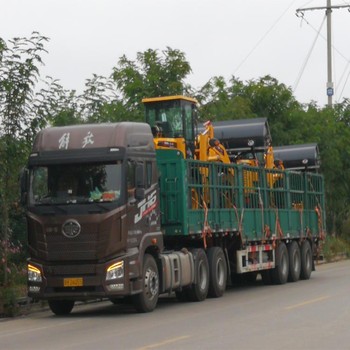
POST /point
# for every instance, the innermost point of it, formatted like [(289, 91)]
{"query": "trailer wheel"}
[(217, 272), (61, 307), (146, 301), (294, 262), (199, 290), (306, 260), (280, 273)]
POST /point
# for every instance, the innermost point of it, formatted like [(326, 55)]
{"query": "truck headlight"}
[(115, 271), (34, 274)]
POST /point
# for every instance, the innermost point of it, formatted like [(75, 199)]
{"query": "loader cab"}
[(172, 120)]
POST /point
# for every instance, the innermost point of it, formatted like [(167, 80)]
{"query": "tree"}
[(152, 74), (222, 102), (21, 117)]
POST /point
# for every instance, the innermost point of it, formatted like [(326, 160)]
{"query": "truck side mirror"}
[(139, 176), (24, 185)]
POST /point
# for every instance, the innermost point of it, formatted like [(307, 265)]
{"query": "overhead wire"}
[(307, 3), (309, 53), (263, 37), (334, 49), (346, 81), (345, 69)]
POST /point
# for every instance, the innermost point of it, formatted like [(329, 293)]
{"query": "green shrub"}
[(335, 247), (8, 301), (13, 279)]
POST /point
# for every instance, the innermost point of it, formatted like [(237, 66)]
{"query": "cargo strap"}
[(318, 211), (278, 228), (206, 232), (267, 231)]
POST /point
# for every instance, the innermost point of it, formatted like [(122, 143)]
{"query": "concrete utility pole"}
[(328, 8)]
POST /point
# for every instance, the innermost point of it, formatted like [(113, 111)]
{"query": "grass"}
[(335, 248)]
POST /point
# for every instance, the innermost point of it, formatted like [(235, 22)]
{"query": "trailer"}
[(112, 213)]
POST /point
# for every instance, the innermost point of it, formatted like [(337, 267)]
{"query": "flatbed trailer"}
[(210, 202)]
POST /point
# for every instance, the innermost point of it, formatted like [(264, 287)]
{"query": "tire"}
[(294, 262), (217, 272), (280, 273), (199, 290), (306, 260), (61, 307), (146, 301)]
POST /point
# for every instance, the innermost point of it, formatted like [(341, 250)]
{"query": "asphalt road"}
[(312, 314)]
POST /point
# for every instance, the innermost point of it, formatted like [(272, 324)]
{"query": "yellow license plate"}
[(73, 282)]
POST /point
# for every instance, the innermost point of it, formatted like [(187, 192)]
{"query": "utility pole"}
[(330, 84), (328, 8)]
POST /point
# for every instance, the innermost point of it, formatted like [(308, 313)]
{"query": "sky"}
[(247, 39)]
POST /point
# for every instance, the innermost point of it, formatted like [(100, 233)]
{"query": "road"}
[(312, 314)]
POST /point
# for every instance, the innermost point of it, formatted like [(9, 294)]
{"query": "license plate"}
[(73, 282)]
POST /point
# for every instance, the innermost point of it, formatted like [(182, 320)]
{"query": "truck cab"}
[(91, 193)]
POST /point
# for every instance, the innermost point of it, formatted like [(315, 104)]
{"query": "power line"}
[(328, 8), (308, 55), (346, 81), (319, 34), (263, 37)]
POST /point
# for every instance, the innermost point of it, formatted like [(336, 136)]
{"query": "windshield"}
[(75, 183), (172, 118)]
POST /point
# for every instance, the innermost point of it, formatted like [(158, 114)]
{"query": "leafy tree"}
[(222, 102), (151, 74), (101, 102), (21, 117), (63, 107), (335, 133), (118, 97)]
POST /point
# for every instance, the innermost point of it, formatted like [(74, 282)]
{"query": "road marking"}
[(35, 329), (165, 342), (312, 301)]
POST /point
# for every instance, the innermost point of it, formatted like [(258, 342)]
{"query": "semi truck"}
[(130, 211)]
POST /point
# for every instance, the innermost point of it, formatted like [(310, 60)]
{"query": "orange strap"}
[(206, 232)]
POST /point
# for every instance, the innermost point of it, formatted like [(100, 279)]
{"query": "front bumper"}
[(84, 281)]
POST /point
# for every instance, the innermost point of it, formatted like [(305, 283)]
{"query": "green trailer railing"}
[(258, 203)]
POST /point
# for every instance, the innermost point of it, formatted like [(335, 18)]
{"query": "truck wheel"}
[(61, 307), (199, 290), (280, 273), (306, 260), (294, 262), (217, 272), (146, 301)]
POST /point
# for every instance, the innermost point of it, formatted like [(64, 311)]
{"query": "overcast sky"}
[(245, 38)]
